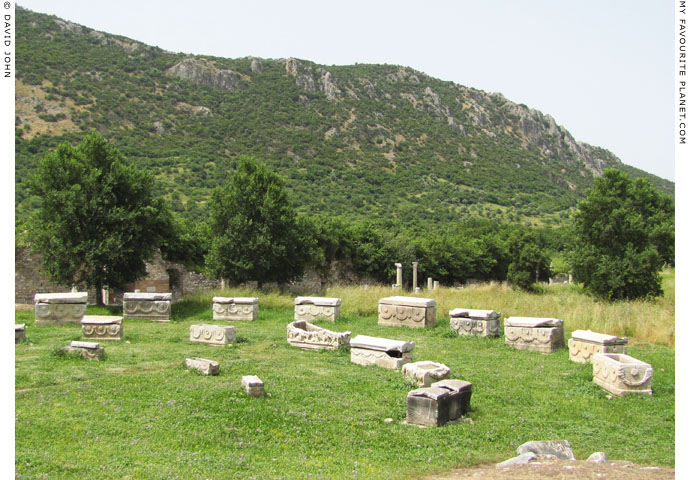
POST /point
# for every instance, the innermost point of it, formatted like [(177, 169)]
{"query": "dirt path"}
[(561, 470)]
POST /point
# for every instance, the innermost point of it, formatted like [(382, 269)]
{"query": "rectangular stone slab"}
[(315, 308), (212, 334), (584, 344), (410, 312), (532, 322), (460, 394), (253, 385), (67, 297), (428, 406), (236, 309), (425, 373), (303, 334), (102, 327), (621, 374), (150, 296), (381, 344), (147, 306), (203, 365), (474, 313)]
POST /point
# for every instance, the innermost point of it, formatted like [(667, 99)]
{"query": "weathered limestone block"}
[(424, 373), (88, 350), (148, 306), (303, 334), (460, 394), (253, 386), (212, 334), (560, 449), (428, 406), (59, 308), (102, 327), (621, 374), (314, 308), (238, 308), (411, 312), (543, 335), (383, 352), (19, 332), (202, 365), (480, 323), (583, 344)]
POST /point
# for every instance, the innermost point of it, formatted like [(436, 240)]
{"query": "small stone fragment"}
[(559, 448), (598, 457), (519, 460), (204, 366), (253, 386)]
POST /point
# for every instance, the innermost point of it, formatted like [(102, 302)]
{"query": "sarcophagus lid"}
[(532, 322), (87, 345), (152, 296), (599, 338), (321, 301), (408, 301), (101, 320), (381, 344), (474, 314), (236, 300), (67, 297)]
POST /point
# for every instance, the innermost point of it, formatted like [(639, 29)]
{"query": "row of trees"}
[(98, 222)]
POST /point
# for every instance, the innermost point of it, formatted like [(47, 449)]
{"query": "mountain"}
[(358, 141)]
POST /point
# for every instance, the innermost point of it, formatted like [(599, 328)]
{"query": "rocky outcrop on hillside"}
[(201, 72), (312, 81)]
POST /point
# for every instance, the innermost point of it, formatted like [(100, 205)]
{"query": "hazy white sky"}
[(602, 68)]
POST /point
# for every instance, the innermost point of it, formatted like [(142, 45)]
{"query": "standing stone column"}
[(429, 283), (436, 284), (398, 276), (414, 276)]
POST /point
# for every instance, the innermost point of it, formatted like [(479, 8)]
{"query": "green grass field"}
[(140, 414)]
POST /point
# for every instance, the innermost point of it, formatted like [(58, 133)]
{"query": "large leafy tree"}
[(623, 235), (98, 220), (255, 232), (528, 260)]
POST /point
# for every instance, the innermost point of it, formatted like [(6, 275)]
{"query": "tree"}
[(529, 263), (98, 221), (623, 234), (255, 231)]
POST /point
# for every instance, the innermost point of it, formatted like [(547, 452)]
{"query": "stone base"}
[(460, 394), (87, 350), (203, 366), (476, 327), (102, 328), (621, 374), (253, 386), (428, 406), (19, 333), (59, 313), (424, 373), (391, 360), (212, 334), (538, 339)]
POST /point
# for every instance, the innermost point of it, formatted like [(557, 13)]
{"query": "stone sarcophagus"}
[(428, 406), (303, 334), (212, 334), (531, 333), (383, 352), (621, 374), (584, 344), (480, 323), (253, 386), (59, 308), (88, 350), (148, 306), (425, 373), (315, 308), (19, 332), (413, 312), (102, 327), (238, 308), (203, 365), (460, 394)]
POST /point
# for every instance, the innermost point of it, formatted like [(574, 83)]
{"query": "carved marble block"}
[(102, 327), (203, 365), (238, 308), (480, 323), (583, 344), (19, 332), (383, 352), (428, 406), (425, 373), (253, 386), (314, 308), (621, 374), (59, 308), (411, 312), (543, 335), (212, 334), (460, 394), (303, 334), (148, 306), (88, 350)]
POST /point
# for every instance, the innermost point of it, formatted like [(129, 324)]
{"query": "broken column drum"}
[(621, 374), (148, 306), (425, 373), (59, 308), (543, 335), (480, 323), (315, 308), (303, 334), (428, 406), (392, 354), (238, 308), (88, 350), (212, 334), (410, 312), (102, 327), (460, 394), (584, 344), (253, 385)]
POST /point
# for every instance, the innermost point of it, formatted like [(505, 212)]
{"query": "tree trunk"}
[(99, 294)]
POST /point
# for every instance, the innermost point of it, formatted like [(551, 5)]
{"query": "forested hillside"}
[(362, 141)]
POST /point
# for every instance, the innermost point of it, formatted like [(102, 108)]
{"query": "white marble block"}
[(59, 308), (203, 365), (236, 309), (148, 306), (425, 373), (584, 344), (315, 308), (543, 335), (88, 350), (383, 352), (253, 386), (303, 334), (413, 312), (480, 323), (212, 334), (621, 374), (102, 327), (19, 332)]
